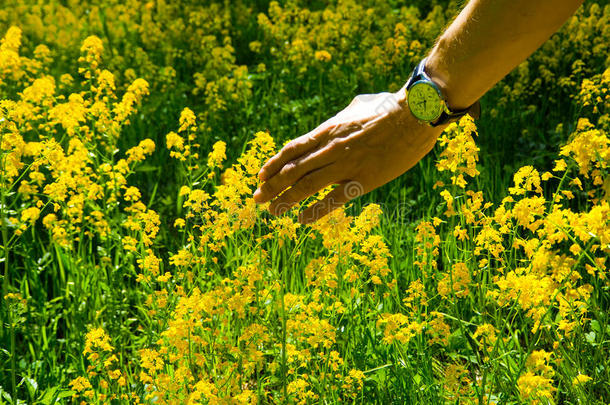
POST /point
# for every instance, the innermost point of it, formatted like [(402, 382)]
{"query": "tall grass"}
[(136, 266)]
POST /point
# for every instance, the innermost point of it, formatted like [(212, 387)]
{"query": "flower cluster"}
[(136, 270)]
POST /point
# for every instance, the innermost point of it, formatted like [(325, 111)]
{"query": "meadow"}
[(135, 266)]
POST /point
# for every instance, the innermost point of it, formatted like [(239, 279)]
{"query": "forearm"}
[(487, 40)]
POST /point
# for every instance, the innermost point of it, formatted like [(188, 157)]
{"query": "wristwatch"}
[(427, 102)]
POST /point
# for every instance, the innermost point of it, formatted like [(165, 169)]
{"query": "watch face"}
[(424, 101)]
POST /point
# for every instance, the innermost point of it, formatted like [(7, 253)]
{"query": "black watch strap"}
[(474, 111), (418, 73)]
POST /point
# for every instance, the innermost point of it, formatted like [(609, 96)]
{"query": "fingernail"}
[(257, 195)]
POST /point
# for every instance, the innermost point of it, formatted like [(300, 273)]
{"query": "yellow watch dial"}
[(424, 101)]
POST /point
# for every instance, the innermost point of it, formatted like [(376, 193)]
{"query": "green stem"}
[(13, 376), (284, 365), (4, 224), (5, 243), (5, 281)]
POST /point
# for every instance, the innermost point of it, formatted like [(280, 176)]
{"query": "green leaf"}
[(146, 168), (49, 396), (66, 394), (417, 379), (457, 340), (595, 326), (31, 385), (5, 395)]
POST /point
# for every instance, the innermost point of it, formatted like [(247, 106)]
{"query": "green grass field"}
[(135, 266)]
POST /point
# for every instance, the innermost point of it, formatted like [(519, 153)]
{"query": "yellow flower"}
[(173, 140), (129, 243), (438, 330), (150, 262), (138, 153), (184, 190), (30, 214), (526, 179), (525, 212), (197, 200), (255, 46), (590, 148), (535, 387), (456, 282), (92, 46), (485, 335), (133, 96), (218, 154), (560, 165), (187, 119), (182, 258), (80, 384), (398, 328), (323, 56), (460, 154), (132, 194), (42, 89), (449, 200), (581, 379), (12, 39), (97, 339), (461, 234)]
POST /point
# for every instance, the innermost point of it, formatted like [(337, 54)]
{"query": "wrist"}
[(445, 72)]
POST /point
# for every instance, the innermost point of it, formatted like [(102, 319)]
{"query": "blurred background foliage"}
[(250, 65)]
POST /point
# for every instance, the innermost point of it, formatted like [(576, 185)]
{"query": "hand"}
[(372, 141)]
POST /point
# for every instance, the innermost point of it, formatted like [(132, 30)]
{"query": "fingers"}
[(333, 200), (306, 186), (293, 150), (293, 171)]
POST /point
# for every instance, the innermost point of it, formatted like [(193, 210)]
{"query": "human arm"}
[(376, 139), (487, 40)]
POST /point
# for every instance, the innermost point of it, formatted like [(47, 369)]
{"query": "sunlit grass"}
[(136, 266)]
